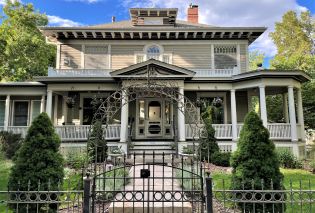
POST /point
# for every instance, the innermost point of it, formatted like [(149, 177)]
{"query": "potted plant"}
[(116, 154)]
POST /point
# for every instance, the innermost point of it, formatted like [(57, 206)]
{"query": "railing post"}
[(87, 195), (209, 195)]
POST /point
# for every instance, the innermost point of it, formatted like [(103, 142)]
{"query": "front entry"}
[(154, 119)]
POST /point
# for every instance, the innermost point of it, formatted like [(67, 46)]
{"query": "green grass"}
[(298, 178), (5, 166)]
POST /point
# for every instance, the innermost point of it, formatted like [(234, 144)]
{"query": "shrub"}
[(312, 166), (208, 145), (38, 159), (76, 160), (221, 159), (255, 160), (288, 160), (10, 143), (97, 146)]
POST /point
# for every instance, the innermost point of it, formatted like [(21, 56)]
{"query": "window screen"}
[(225, 57), (35, 109), (96, 57)]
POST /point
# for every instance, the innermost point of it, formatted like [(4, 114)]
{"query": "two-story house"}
[(207, 64)]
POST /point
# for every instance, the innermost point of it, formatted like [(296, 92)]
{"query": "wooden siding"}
[(241, 106), (72, 54), (190, 56), (243, 56), (123, 56)]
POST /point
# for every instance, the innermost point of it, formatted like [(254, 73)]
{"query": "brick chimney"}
[(192, 14)]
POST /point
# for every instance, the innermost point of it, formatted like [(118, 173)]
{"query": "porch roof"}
[(155, 68)]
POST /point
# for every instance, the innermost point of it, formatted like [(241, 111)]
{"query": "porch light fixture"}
[(217, 102)]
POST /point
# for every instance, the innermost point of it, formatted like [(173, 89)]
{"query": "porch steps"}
[(158, 147)]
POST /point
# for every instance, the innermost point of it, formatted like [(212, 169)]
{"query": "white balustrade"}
[(215, 72), (279, 130), (223, 131), (18, 130), (113, 132), (79, 72)]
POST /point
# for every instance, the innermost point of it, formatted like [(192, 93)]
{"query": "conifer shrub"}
[(97, 145), (10, 143), (255, 162), (38, 161)]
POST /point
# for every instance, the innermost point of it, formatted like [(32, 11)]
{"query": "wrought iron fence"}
[(227, 198), (67, 198)]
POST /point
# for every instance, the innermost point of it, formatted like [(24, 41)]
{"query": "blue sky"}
[(214, 12)]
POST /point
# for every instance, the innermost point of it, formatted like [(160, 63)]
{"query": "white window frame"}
[(144, 53), (28, 111), (237, 53), (31, 110), (107, 56)]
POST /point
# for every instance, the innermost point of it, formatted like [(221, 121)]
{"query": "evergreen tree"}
[(254, 161), (38, 161), (97, 146), (208, 145)]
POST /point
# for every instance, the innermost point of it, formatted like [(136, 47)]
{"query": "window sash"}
[(21, 113)]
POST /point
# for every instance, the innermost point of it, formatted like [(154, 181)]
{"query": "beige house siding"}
[(124, 55), (241, 106), (72, 54), (190, 56), (243, 57)]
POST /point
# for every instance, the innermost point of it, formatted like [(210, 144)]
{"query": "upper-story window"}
[(225, 56), (153, 52), (96, 57)]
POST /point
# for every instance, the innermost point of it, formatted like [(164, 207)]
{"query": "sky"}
[(214, 12)]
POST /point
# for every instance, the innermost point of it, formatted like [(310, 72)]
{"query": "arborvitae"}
[(255, 163), (208, 145), (38, 164), (97, 146)]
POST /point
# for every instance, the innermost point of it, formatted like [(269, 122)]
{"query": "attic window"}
[(153, 52)]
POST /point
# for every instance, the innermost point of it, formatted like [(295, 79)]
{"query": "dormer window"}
[(153, 52)]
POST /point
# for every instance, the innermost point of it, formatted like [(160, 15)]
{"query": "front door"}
[(154, 119)]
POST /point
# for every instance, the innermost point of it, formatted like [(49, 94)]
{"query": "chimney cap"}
[(193, 5)]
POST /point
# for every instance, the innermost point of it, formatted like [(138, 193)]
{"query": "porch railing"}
[(215, 72), (72, 132), (278, 131)]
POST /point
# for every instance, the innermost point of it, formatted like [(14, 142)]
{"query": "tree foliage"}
[(294, 37), (255, 58), (38, 160), (23, 49), (97, 146), (255, 160)]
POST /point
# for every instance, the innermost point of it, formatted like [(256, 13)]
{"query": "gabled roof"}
[(156, 69)]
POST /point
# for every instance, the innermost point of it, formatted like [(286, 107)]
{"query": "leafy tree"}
[(294, 37), (255, 58), (97, 146), (255, 160), (38, 161), (23, 49)]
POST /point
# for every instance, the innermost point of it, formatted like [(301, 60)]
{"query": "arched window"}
[(153, 52)]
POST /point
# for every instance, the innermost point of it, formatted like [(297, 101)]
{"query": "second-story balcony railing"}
[(215, 73)]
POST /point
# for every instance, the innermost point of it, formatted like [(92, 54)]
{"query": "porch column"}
[(263, 107), (292, 113), (300, 113), (285, 107), (7, 112), (56, 110), (233, 115), (42, 104), (49, 103), (124, 117), (181, 115)]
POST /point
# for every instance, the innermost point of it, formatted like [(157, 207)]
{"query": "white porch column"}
[(263, 107), (292, 113), (49, 103), (285, 107), (300, 113), (124, 117), (56, 110), (42, 104), (7, 112), (233, 115), (181, 116)]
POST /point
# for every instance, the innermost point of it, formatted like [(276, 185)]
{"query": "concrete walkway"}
[(141, 193)]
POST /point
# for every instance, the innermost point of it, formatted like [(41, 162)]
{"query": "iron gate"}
[(149, 183)]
